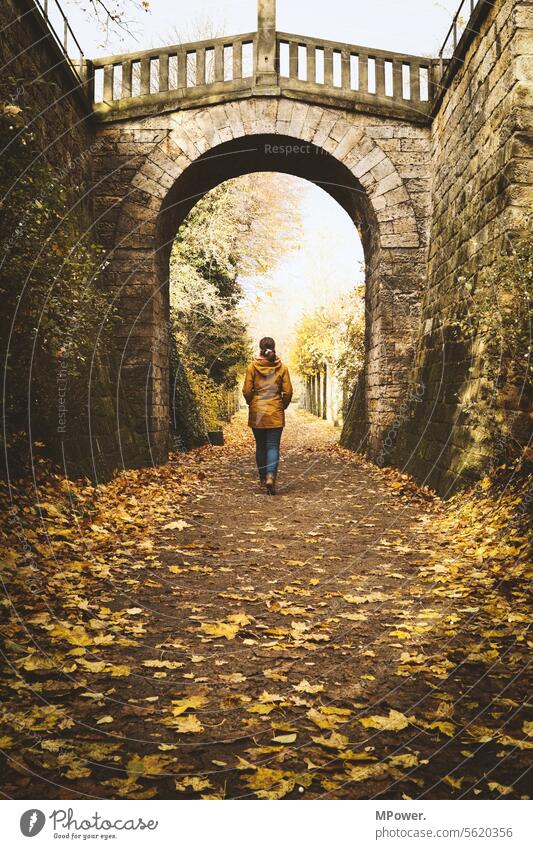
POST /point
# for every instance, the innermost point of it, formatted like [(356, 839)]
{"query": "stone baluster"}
[(145, 76), (219, 63), (363, 73), (237, 59), (293, 60), (380, 76), (200, 66), (126, 78), (108, 83), (397, 79), (346, 77), (311, 63), (414, 79), (328, 66), (182, 68), (163, 72)]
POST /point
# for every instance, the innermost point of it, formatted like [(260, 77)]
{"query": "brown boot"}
[(270, 485)]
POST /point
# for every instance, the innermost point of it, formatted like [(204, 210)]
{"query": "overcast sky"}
[(407, 26)]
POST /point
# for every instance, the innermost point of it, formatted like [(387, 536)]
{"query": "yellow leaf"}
[(118, 671), (75, 636), (334, 741), (270, 697), (512, 741), (93, 666), (179, 525), (229, 630), (447, 728), (285, 738), (502, 789), (239, 619), (305, 687), (395, 721), (77, 770), (233, 678), (261, 709), (363, 773), (364, 599), (273, 675), (453, 782), (149, 765), (275, 783), (104, 720), (194, 783), (322, 720), (190, 703), (185, 724), (407, 761), (37, 663)]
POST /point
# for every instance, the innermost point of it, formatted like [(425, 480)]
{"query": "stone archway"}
[(152, 171)]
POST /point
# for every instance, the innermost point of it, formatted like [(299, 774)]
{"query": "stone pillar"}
[(266, 75)]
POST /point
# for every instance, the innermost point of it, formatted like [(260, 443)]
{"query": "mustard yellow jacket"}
[(268, 392)]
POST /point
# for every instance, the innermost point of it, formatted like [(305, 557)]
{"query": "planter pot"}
[(216, 437)]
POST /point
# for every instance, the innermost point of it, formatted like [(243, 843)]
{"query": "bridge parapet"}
[(201, 73)]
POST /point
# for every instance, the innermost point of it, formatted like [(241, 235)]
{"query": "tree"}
[(330, 345), (112, 16), (240, 228), (332, 334)]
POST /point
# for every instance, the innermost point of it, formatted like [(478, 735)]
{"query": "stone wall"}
[(42, 83), (481, 186)]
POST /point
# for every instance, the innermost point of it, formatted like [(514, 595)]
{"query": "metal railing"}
[(459, 26), (62, 33)]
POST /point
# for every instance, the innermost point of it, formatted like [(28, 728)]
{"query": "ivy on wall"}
[(496, 323), (52, 309)]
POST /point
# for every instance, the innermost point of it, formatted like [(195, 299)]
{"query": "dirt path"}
[(316, 644)]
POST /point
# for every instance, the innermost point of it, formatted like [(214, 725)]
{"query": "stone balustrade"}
[(350, 70), (189, 75)]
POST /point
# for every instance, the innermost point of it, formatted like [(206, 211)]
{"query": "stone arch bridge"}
[(175, 122), (430, 158)]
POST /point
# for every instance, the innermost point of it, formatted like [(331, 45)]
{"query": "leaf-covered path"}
[(194, 638)]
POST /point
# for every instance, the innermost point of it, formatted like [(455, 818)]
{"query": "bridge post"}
[(266, 73)]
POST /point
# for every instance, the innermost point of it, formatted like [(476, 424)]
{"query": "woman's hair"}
[(267, 347)]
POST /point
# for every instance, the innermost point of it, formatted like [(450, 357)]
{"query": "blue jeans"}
[(267, 442)]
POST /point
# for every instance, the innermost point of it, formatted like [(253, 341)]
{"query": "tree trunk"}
[(325, 392)]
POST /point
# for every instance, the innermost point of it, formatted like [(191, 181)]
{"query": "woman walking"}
[(268, 392)]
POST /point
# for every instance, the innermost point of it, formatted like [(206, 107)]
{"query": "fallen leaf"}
[(395, 721)]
